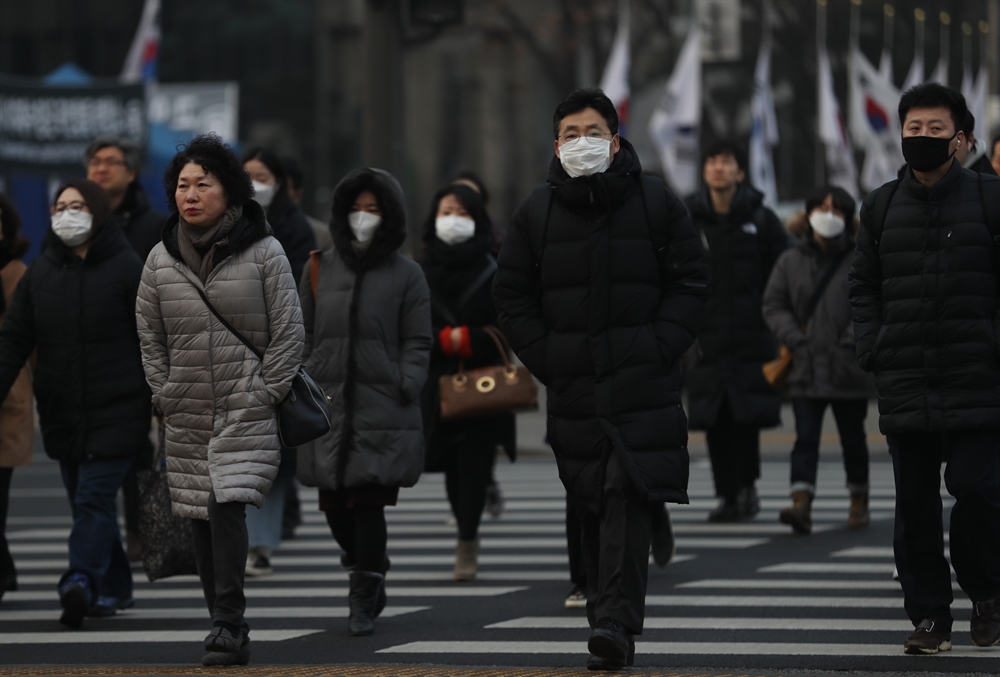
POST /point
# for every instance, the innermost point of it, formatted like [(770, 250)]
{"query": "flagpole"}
[(984, 60), (943, 57), (852, 46), (820, 45), (885, 65), (966, 50)]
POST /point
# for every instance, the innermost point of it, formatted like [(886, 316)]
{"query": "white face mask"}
[(584, 156), (454, 229), (826, 224), (72, 227), (364, 225), (263, 193)]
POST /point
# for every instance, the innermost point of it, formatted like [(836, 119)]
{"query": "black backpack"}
[(654, 198)]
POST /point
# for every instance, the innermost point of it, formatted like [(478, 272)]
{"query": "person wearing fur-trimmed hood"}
[(366, 310)]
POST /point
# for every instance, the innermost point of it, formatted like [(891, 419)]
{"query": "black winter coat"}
[(601, 318), (924, 296), (292, 230), (734, 341), (93, 400), (450, 271), (140, 221)]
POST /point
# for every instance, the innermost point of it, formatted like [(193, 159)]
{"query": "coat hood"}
[(746, 201), (389, 236), (251, 228)]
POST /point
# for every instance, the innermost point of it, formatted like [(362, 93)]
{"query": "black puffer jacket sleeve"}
[(684, 286), (17, 336), (866, 287), (518, 297)]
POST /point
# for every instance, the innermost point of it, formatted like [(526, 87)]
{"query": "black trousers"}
[(361, 533), (468, 470), (734, 449), (850, 417), (6, 561), (616, 551), (220, 551), (972, 476), (658, 519)]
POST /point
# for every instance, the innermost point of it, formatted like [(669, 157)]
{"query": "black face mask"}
[(926, 153)]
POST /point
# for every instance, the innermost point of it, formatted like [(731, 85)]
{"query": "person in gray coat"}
[(367, 318), (218, 398), (816, 325)]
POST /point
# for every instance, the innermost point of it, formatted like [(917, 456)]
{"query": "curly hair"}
[(216, 158)]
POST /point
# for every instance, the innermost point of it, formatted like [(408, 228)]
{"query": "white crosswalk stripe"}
[(836, 602)]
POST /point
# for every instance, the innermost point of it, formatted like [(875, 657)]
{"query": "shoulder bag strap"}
[(476, 285), (821, 287), (444, 311), (230, 327), (314, 259)]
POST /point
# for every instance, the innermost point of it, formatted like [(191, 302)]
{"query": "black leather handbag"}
[(304, 415)]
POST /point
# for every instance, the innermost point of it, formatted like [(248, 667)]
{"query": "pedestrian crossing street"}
[(749, 589)]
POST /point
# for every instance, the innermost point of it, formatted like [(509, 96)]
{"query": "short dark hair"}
[(727, 147), (932, 95), (131, 151), (276, 167), (216, 158), (993, 146), (472, 177), (17, 245), (293, 169), (968, 124), (583, 98), (842, 201)]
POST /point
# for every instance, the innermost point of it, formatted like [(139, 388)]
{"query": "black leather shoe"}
[(362, 599), (748, 502), (609, 642), (221, 640), (927, 639), (598, 663), (726, 511), (986, 622), (223, 658)]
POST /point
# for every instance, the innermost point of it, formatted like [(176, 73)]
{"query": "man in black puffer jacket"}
[(728, 396), (924, 293), (600, 286)]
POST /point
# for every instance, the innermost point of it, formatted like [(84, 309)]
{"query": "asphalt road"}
[(738, 597)]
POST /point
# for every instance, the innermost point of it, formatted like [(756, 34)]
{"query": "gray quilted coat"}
[(368, 342), (217, 396), (825, 365)]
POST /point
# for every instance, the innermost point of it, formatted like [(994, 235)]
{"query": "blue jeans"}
[(850, 416), (264, 524), (95, 542)]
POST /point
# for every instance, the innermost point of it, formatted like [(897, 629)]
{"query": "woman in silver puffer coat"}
[(218, 398)]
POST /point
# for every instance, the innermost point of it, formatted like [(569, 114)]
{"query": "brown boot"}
[(798, 516), (859, 517), (466, 555)]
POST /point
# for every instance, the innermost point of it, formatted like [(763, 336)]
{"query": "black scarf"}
[(451, 268), (598, 193)]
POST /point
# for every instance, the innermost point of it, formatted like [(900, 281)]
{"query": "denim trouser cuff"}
[(804, 486)]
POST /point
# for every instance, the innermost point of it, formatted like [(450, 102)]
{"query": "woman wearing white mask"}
[(459, 266), (75, 305), (807, 308), (366, 310), (290, 226)]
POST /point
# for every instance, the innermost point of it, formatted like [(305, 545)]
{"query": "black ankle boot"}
[(381, 600), (365, 586)]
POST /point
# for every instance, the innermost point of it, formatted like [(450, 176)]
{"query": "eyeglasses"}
[(592, 134), (96, 162), (73, 207)]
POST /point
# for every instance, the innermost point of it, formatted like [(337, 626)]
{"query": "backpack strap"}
[(654, 199), (539, 207), (883, 198), (314, 259)]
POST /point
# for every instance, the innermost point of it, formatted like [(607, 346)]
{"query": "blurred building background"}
[(428, 87)]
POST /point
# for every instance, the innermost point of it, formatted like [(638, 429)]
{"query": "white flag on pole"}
[(764, 131), (977, 103), (614, 81), (885, 64), (916, 74), (841, 170), (675, 123), (141, 61), (875, 126)]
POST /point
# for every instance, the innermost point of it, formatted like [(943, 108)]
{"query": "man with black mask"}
[(601, 283), (924, 293)]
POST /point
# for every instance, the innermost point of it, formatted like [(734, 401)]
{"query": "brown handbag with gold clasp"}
[(491, 390)]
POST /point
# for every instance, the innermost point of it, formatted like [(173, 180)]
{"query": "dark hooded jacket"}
[(140, 221), (292, 230), (924, 293), (451, 270), (368, 342), (601, 318), (734, 341), (93, 401)]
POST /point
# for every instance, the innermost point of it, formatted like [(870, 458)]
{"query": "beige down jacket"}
[(218, 398)]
